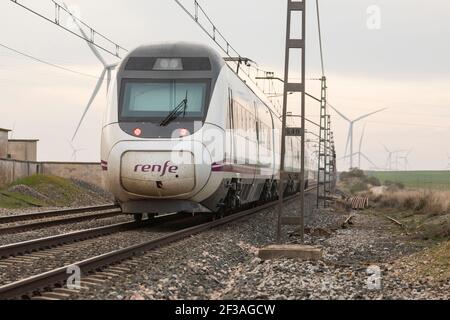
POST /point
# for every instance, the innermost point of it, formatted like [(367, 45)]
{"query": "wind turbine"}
[(448, 156), (405, 159), (107, 70), (13, 130), (74, 151), (361, 143), (360, 154), (351, 128), (391, 156), (389, 159)]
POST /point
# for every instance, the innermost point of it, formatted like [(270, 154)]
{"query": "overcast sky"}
[(403, 65)]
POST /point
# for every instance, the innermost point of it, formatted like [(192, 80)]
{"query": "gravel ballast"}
[(61, 229), (223, 264)]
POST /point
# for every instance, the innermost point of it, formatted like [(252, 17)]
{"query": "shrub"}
[(426, 202), (374, 181), (352, 174), (393, 184), (358, 186)]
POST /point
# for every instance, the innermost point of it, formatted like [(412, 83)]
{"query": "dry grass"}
[(431, 264), (425, 213), (428, 202)]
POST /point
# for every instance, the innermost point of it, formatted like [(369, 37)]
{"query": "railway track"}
[(51, 285), (33, 246), (12, 224)]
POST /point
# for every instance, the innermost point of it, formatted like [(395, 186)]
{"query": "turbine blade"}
[(338, 112), (409, 152), (348, 156), (362, 138), (370, 161), (91, 46), (369, 114), (348, 141), (91, 100), (386, 148), (108, 79)]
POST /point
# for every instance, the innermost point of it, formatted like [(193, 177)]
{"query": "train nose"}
[(158, 174), (164, 173)]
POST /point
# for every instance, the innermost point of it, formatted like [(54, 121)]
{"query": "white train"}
[(183, 133)]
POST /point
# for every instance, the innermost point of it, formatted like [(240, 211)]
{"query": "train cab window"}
[(156, 99)]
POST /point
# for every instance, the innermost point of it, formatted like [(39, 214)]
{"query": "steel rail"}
[(22, 248), (55, 213), (58, 276), (56, 222)]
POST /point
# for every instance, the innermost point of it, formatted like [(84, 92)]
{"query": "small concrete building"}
[(23, 150), (4, 143)]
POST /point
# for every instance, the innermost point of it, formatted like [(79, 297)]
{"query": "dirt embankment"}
[(50, 191)]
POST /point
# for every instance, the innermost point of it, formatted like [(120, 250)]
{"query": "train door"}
[(258, 135), (230, 134)]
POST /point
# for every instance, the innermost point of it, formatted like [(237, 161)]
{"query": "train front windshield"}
[(153, 100)]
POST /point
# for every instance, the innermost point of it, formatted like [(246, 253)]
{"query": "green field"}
[(439, 180)]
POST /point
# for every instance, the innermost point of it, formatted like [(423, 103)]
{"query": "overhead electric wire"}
[(410, 124), (306, 119), (46, 62), (92, 31), (226, 46), (320, 38)]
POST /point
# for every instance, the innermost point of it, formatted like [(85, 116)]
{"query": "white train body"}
[(220, 152)]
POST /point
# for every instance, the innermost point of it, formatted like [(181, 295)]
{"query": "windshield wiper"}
[(180, 109)]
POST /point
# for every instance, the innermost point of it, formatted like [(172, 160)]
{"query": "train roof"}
[(177, 50)]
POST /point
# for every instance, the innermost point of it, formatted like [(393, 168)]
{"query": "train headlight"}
[(174, 64), (137, 132), (184, 133)]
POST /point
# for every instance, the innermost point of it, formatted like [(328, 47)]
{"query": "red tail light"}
[(137, 132)]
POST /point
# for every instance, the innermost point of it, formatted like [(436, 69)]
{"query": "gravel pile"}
[(93, 195), (86, 195), (26, 190), (223, 264)]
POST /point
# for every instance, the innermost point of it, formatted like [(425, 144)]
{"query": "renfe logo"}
[(156, 168)]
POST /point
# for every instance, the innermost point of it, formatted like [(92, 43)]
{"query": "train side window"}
[(258, 134), (237, 116), (263, 135), (247, 121), (230, 110), (242, 111)]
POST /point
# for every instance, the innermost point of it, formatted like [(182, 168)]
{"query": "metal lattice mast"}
[(323, 146), (333, 168), (294, 8), (328, 166)]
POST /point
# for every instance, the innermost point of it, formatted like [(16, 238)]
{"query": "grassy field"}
[(436, 180)]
